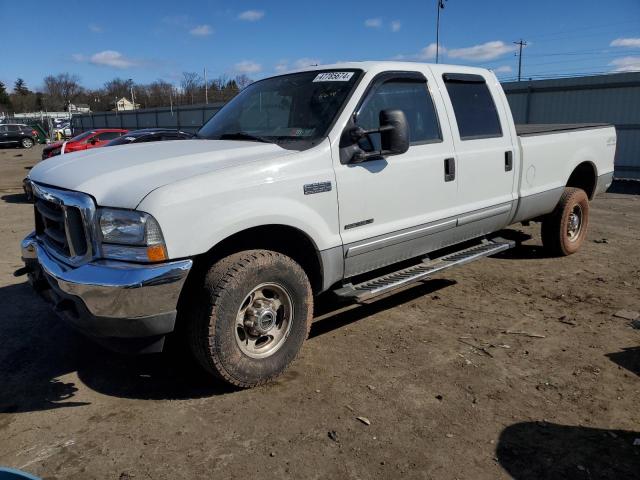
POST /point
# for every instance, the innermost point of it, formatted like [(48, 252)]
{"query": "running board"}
[(368, 289)]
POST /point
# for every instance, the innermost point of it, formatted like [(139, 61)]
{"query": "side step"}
[(368, 289)]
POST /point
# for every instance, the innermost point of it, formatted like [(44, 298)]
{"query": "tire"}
[(565, 229), (26, 142), (258, 289)]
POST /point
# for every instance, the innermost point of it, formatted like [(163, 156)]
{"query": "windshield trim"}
[(321, 137)]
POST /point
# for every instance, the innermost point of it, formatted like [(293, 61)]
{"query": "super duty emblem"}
[(311, 188)]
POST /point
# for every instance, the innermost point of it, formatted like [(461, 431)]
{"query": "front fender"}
[(198, 213)]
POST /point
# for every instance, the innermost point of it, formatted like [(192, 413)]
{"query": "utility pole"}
[(440, 6), (521, 43)]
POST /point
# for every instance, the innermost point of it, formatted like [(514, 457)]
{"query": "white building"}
[(124, 104)]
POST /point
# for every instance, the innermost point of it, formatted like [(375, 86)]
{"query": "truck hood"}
[(122, 176)]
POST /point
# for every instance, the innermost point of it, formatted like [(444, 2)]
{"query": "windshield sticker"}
[(333, 77)]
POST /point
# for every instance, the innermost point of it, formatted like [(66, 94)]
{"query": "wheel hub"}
[(574, 223), (261, 317), (264, 320)]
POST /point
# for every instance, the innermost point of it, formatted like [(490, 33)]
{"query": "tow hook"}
[(22, 271)]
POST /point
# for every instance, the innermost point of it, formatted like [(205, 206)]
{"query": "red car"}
[(90, 139)]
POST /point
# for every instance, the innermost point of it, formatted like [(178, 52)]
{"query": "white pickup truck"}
[(306, 182)]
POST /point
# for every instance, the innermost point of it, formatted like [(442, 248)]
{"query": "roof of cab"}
[(391, 65)]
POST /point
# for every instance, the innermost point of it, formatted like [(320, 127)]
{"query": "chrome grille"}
[(62, 227), (64, 223)]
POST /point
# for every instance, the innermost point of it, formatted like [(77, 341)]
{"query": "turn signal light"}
[(156, 253)]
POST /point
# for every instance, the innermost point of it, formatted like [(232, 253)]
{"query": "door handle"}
[(508, 161), (449, 169)]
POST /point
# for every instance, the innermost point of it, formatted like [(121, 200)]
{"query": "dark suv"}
[(15, 133)]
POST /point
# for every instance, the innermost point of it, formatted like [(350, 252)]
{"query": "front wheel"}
[(26, 142), (251, 317), (564, 229)]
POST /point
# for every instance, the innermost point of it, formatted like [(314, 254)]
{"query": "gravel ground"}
[(513, 366)]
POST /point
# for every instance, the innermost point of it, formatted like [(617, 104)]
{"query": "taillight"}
[(34, 133)]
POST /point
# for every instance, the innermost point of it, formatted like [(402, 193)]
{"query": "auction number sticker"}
[(333, 77)]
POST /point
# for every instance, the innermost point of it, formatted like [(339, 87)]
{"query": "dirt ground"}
[(448, 391)]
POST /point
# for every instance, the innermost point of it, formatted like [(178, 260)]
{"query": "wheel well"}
[(584, 177), (280, 238)]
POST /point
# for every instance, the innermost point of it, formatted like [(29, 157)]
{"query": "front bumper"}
[(129, 306)]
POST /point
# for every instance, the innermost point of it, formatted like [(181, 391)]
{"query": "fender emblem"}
[(311, 188)]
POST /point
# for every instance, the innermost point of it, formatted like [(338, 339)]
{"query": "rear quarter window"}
[(473, 107)]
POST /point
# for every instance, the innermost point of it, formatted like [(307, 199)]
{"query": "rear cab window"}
[(473, 106)]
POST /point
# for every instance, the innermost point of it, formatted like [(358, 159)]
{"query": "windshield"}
[(294, 111), (82, 136)]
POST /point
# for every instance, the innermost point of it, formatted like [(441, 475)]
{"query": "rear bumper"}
[(129, 306)]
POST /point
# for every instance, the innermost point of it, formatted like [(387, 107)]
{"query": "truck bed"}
[(531, 129)]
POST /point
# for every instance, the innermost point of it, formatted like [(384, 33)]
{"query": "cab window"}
[(473, 106), (409, 95)]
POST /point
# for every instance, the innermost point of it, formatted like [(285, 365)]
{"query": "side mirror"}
[(93, 141), (394, 136)]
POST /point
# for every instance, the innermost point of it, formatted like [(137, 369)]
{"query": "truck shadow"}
[(15, 198), (332, 313), (40, 354), (540, 450), (628, 358)]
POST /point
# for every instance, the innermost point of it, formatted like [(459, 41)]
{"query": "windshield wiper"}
[(244, 136)]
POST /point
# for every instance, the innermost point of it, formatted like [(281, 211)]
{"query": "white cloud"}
[(626, 42), (306, 62), (201, 31), (503, 69), (373, 22), (247, 66), (251, 15), (396, 26), (483, 52), (95, 28), (626, 64), (282, 66), (107, 58), (429, 52)]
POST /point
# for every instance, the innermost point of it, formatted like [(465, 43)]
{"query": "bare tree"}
[(118, 88), (159, 93), (243, 81), (191, 84), (62, 88)]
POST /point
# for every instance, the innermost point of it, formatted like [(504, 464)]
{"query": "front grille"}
[(61, 228)]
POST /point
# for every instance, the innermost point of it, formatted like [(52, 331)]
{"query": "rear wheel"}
[(26, 142), (564, 229), (251, 317)]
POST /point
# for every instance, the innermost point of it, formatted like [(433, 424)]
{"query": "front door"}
[(389, 207)]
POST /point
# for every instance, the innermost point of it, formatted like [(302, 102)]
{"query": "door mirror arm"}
[(394, 136)]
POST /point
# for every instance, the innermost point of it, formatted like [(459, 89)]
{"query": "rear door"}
[(14, 134), (389, 207), (481, 135)]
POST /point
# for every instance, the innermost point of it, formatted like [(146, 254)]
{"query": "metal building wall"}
[(187, 118), (611, 99)]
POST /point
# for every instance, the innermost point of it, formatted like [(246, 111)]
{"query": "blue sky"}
[(147, 40)]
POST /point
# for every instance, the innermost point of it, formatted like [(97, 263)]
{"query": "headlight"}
[(131, 235)]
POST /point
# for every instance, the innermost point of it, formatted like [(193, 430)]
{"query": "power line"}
[(562, 33)]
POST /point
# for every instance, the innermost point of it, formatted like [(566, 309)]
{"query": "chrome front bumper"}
[(109, 299)]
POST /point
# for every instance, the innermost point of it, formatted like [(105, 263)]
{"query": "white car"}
[(304, 183)]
